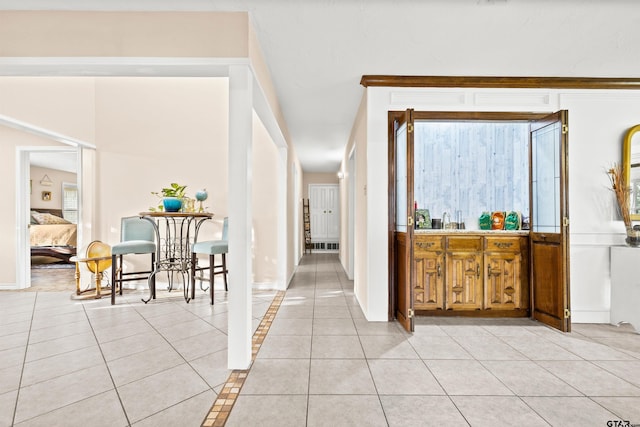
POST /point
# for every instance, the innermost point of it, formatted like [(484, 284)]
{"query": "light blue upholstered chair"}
[(137, 236), (210, 248)]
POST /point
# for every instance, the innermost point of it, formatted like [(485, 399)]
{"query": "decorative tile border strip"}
[(223, 404)]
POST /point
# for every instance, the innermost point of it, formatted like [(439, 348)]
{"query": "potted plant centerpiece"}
[(171, 196)]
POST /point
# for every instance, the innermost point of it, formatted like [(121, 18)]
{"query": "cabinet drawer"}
[(464, 243), (427, 243), (502, 244)]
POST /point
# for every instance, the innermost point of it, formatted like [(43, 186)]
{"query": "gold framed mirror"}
[(631, 168)]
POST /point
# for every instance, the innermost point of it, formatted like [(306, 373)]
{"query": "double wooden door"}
[(549, 236)]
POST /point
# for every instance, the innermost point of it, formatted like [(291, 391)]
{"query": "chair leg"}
[(153, 278), (194, 259), (170, 280), (224, 271), (120, 274), (212, 259), (114, 268)]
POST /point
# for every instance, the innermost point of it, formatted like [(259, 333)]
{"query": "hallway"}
[(68, 363)]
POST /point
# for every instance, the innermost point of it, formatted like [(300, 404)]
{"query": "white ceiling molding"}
[(44, 133), (118, 66)]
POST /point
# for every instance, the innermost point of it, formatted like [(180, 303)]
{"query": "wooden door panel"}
[(464, 281), (404, 300), (546, 286), (428, 274), (502, 281), (420, 288)]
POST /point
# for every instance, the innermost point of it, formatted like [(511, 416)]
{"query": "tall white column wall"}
[(240, 214)]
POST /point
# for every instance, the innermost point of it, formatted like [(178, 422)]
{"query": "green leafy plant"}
[(173, 190)]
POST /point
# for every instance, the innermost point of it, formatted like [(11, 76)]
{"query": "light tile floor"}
[(68, 363), (323, 364), (65, 362)]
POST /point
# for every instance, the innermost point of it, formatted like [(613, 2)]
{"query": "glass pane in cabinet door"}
[(546, 179), (401, 178), (471, 168)]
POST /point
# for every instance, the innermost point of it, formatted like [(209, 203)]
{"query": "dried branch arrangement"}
[(622, 191)]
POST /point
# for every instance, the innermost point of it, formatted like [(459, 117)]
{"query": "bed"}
[(52, 236)]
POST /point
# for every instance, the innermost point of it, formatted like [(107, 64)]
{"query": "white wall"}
[(66, 107), (57, 177), (597, 123), (121, 37), (152, 132), (358, 144), (148, 132), (265, 208), (317, 178)]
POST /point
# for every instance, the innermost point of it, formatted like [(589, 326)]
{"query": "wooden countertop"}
[(477, 232)]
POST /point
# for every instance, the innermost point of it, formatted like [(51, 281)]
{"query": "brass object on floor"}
[(97, 260)]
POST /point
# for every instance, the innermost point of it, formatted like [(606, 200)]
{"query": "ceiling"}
[(64, 161), (318, 50)]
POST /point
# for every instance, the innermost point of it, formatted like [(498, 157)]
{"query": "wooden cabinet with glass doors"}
[(467, 165)]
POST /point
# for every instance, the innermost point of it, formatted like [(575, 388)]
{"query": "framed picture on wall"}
[(46, 196)]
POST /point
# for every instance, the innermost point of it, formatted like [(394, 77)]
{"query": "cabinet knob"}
[(478, 270), (439, 271)]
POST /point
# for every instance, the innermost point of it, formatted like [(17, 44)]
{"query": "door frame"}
[(335, 187), (297, 249), (351, 213), (23, 205)]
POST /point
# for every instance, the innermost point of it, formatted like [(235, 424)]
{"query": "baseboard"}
[(587, 316), (265, 286), (268, 286)]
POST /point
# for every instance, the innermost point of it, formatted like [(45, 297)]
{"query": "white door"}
[(318, 210), (333, 213), (325, 212)]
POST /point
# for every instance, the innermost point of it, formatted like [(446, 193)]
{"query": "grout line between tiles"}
[(24, 360), (104, 359), (223, 404)]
